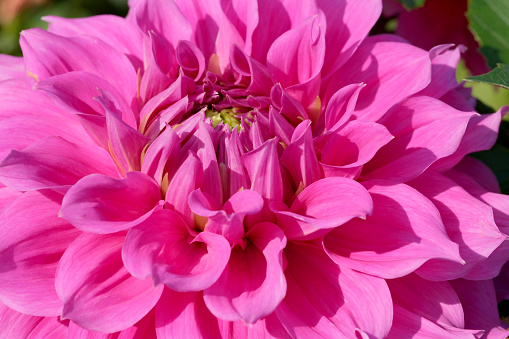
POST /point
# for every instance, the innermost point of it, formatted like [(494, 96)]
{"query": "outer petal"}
[(392, 71), (100, 204), (325, 204), (91, 279), (162, 247), (404, 231), (32, 240), (330, 302), (468, 222), (480, 306), (429, 130), (11, 67), (53, 163), (19, 325), (47, 54), (252, 284)]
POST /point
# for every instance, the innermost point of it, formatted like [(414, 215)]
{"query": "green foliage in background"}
[(412, 4)]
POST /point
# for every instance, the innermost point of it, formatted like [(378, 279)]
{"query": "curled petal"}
[(100, 204), (160, 247)]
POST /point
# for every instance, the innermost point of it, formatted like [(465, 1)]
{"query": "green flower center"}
[(226, 116)]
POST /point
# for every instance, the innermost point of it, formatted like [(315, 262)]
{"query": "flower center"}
[(227, 116)]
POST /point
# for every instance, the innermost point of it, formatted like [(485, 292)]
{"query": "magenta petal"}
[(53, 163), (330, 302), (262, 165), (162, 247), (297, 55), (29, 258), (391, 71), (479, 171), (349, 23), (91, 279), (425, 130), (100, 204), (299, 156), (125, 143), (341, 106), (468, 222), (480, 308), (78, 53), (111, 29), (160, 155), (153, 16), (402, 213), (325, 204), (18, 325), (11, 67), (252, 284), (260, 80), (191, 59)]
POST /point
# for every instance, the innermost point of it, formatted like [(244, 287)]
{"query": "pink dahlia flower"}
[(247, 169)]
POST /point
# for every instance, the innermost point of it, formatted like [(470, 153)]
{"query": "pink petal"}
[(468, 222), (125, 143), (162, 247), (252, 284), (47, 54), (91, 279), (325, 204), (429, 130), (18, 325), (53, 163), (351, 147), (330, 302), (111, 29), (11, 67), (480, 135), (480, 308), (349, 22), (191, 59), (391, 71), (205, 18), (434, 301), (404, 231), (289, 107), (341, 106), (299, 156), (7, 195), (262, 165), (479, 171), (233, 175), (260, 81), (153, 16), (279, 126), (242, 17), (100, 204), (29, 258), (297, 55)]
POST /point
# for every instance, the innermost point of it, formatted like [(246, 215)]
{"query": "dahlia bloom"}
[(247, 169)]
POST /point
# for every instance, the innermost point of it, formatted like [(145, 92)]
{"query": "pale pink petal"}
[(100, 204), (325, 204), (262, 165), (468, 222), (391, 71), (162, 247), (330, 302), (348, 23), (252, 284), (111, 29), (47, 54), (299, 156), (91, 280), (11, 67), (153, 16), (404, 231), (29, 258), (53, 163), (18, 325), (480, 308)]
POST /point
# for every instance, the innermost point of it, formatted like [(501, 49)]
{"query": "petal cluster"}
[(207, 169)]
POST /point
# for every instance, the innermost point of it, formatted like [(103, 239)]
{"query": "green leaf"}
[(498, 77), (412, 4), (489, 22)]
